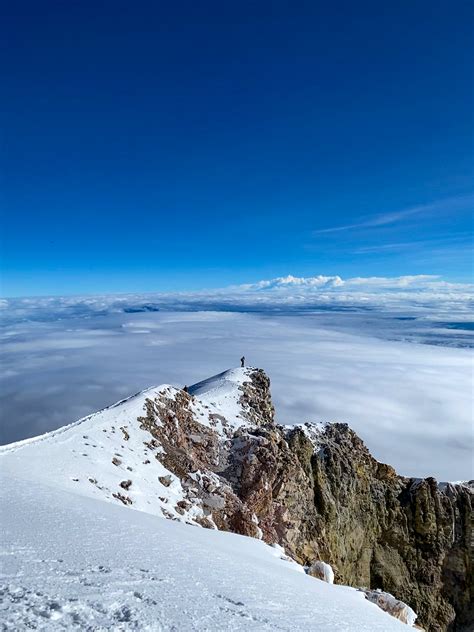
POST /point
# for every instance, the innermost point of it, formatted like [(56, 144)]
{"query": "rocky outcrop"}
[(256, 400), (408, 537), (317, 491), (322, 571), (394, 607)]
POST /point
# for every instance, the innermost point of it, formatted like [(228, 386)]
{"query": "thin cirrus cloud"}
[(458, 242), (386, 219)]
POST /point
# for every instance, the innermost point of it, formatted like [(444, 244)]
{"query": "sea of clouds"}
[(350, 351), (419, 294)]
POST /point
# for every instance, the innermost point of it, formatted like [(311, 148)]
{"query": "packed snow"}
[(69, 559), (76, 562)]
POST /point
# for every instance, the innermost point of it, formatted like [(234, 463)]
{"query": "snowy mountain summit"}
[(212, 456)]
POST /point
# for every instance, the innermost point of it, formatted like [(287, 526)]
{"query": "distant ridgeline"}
[(213, 455)]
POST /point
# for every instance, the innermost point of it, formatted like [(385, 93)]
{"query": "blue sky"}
[(166, 146)]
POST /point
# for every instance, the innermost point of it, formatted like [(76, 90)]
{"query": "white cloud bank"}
[(411, 403), (415, 294)]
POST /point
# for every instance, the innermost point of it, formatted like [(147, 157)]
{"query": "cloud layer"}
[(418, 294), (411, 403)]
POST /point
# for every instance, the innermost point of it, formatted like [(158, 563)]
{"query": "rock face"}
[(317, 491), (407, 537)]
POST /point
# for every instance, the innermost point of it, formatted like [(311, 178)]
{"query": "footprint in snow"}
[(85, 582), (229, 600)]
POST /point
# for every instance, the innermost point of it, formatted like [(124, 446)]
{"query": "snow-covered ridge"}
[(312, 431), (108, 455), (54, 433), (221, 387)]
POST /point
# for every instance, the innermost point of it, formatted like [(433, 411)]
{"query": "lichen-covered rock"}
[(401, 535)]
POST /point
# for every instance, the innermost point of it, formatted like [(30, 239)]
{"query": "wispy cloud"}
[(385, 219), (449, 242)]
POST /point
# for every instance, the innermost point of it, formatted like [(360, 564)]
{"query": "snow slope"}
[(80, 457), (69, 559)]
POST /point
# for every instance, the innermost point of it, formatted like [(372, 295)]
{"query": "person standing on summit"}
[(242, 361)]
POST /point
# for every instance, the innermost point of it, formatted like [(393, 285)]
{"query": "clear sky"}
[(179, 145)]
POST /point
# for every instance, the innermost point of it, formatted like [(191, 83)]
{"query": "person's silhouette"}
[(242, 361)]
